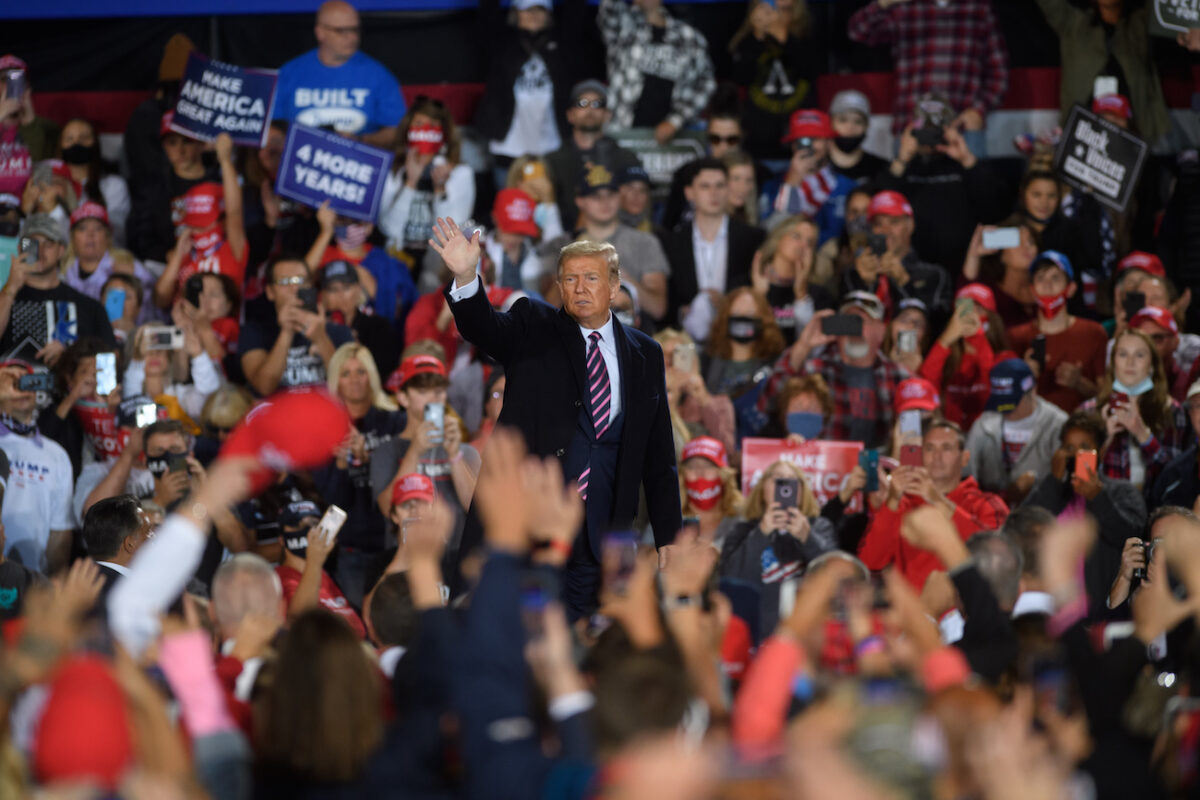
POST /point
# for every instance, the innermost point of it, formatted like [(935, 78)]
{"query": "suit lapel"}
[(568, 331), (629, 362)]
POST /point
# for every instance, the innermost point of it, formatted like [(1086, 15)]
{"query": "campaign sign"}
[(319, 166), (1097, 155), (824, 464), (218, 98), (1173, 17), (661, 160)]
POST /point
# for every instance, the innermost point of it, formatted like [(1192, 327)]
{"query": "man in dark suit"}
[(709, 255), (581, 387), (113, 530)]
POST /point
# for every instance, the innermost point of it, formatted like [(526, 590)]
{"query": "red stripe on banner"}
[(109, 111)]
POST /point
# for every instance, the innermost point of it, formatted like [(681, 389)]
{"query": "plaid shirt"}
[(1158, 451), (627, 37), (828, 364), (956, 51)]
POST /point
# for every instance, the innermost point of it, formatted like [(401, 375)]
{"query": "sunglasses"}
[(597, 104), (730, 140)]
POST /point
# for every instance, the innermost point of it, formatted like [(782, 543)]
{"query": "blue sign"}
[(319, 166), (218, 98)]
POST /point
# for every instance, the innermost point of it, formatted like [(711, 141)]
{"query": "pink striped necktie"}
[(599, 399)]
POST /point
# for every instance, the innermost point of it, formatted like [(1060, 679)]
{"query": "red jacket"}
[(966, 393), (974, 510)]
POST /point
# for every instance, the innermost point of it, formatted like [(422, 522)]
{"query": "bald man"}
[(336, 85)]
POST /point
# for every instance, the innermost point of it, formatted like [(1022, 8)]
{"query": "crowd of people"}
[(296, 504)]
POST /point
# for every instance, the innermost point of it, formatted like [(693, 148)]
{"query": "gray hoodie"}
[(986, 443)]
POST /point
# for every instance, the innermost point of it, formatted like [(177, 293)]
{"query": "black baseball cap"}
[(339, 270)]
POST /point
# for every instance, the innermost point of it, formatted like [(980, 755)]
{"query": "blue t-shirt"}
[(360, 96)]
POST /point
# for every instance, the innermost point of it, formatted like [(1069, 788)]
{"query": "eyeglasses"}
[(714, 138), (597, 104), (1159, 338), (295, 280)]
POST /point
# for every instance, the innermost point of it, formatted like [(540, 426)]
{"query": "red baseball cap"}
[(1159, 316), (513, 211), (84, 732), (1146, 262), (413, 366), (808, 123), (706, 447), (201, 206), (9, 61), (269, 433), (1113, 104), (917, 393), (889, 204), (413, 486), (90, 210), (980, 294)]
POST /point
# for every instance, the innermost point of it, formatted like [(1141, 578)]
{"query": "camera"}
[(877, 243), (1139, 573)]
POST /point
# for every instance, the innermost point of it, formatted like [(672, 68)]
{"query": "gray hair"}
[(998, 559), (245, 584), (585, 249)]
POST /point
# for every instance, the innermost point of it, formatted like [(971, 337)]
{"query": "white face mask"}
[(856, 350)]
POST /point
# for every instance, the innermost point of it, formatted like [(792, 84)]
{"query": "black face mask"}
[(744, 330), (80, 154), (297, 542), (158, 465), (848, 144), (10, 227)]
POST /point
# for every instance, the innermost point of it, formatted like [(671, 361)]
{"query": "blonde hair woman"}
[(780, 536), (708, 488)]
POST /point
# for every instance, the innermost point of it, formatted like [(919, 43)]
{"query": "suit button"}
[(578, 403), (559, 452)]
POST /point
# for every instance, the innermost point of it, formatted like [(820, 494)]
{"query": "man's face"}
[(1074, 440), (723, 135), (898, 230), (587, 290), (943, 456), (599, 207), (90, 238), (50, 254), (414, 400), (634, 198), (338, 31), (1050, 282), (708, 192), (849, 123), (1165, 342), (141, 535), (533, 19), (341, 296), (13, 401), (588, 113), (857, 206), (289, 278), (873, 333), (161, 444)]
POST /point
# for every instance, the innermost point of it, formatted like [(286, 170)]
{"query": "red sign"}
[(100, 426), (824, 464)]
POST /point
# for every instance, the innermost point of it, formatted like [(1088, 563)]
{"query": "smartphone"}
[(1085, 462), (910, 422), (1051, 684), (163, 337), (877, 243), (1133, 303), (618, 559), (930, 135), (869, 461), (308, 298), (1001, 238), (106, 373), (36, 382), (684, 358), (15, 84), (192, 289), (114, 304), (842, 325), (1117, 400), (1139, 573), (911, 456), (146, 414), (964, 307), (177, 462), (332, 522), (436, 413), (1105, 85), (29, 247), (906, 341), (786, 491), (1039, 351)]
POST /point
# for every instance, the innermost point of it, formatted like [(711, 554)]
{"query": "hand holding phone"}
[(786, 492), (331, 523), (869, 461), (1085, 464), (1001, 238), (436, 413), (106, 373), (842, 325)]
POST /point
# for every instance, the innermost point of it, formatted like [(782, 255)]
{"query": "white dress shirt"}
[(711, 257), (608, 345)]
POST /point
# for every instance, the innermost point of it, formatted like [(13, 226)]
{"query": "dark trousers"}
[(581, 580)]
